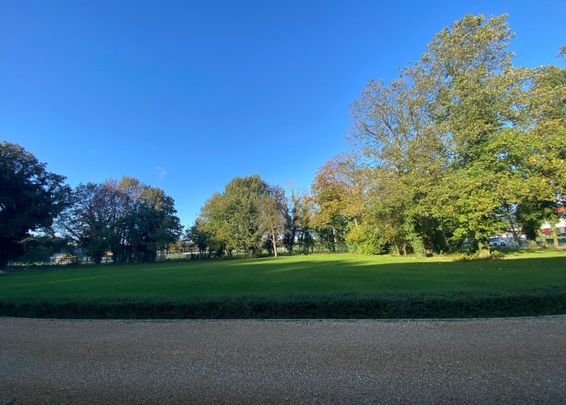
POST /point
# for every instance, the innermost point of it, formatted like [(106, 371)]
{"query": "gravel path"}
[(71, 361)]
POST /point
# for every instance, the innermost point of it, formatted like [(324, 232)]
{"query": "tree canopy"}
[(460, 147), (247, 214), (30, 198), (128, 218)]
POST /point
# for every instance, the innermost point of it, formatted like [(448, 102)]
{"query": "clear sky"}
[(185, 95)]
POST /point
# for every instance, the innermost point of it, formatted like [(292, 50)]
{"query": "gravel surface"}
[(74, 361)]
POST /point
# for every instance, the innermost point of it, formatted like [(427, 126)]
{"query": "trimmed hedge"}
[(340, 306)]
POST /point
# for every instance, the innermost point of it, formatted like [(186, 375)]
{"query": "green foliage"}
[(30, 198), (470, 257), (247, 214), (128, 218), (363, 239), (39, 248), (462, 146), (272, 216), (304, 209), (338, 192)]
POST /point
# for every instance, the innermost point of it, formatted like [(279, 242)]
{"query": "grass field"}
[(345, 285)]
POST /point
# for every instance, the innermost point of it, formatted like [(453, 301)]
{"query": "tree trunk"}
[(334, 241), (274, 242), (514, 229), (542, 236), (515, 235), (397, 249), (97, 258), (555, 243), (483, 247)]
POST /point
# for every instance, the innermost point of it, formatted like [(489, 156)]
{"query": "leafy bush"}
[(470, 257)]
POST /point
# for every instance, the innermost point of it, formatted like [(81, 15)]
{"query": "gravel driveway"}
[(73, 361)]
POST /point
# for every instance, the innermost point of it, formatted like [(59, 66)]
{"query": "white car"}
[(497, 242)]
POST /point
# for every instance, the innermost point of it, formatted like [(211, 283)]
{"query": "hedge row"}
[(297, 306)]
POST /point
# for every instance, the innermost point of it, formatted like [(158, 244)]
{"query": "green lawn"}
[(269, 287)]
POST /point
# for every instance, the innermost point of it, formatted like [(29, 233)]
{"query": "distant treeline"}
[(460, 147)]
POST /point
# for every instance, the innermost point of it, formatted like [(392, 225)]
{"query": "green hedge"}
[(547, 302)]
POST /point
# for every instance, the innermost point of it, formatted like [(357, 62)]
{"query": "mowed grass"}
[(297, 286)]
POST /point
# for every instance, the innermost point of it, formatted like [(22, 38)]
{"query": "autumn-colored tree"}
[(463, 145), (331, 197)]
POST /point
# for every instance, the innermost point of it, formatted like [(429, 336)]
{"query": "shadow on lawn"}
[(270, 265)]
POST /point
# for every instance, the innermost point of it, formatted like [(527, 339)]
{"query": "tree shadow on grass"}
[(518, 263)]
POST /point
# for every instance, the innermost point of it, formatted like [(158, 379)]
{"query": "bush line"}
[(295, 307)]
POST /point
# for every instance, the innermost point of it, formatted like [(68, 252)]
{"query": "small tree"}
[(271, 217)]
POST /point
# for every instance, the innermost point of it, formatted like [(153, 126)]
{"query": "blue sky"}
[(186, 95)]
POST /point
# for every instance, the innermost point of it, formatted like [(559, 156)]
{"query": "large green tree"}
[(150, 222), (90, 221), (132, 220), (248, 216), (544, 155), (506, 127), (405, 155), (231, 219), (30, 198), (462, 146)]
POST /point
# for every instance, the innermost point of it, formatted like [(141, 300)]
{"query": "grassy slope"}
[(317, 285)]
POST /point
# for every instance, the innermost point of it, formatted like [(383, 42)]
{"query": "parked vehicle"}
[(497, 242)]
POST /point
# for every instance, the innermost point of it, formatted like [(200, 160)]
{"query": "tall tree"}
[(152, 223), (305, 211), (242, 196), (331, 196), (461, 145), (405, 155), (231, 218), (30, 198), (477, 99), (291, 223), (90, 220), (544, 155), (271, 217)]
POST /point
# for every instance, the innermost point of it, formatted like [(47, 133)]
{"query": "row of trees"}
[(251, 216), (130, 219), (40, 214), (462, 146)]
